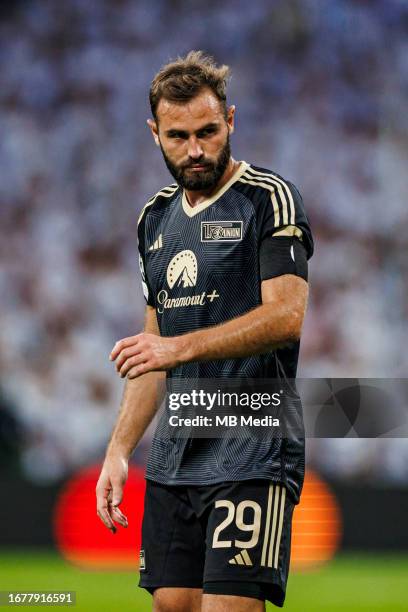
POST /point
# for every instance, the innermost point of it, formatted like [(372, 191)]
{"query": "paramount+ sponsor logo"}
[(182, 272), (221, 231)]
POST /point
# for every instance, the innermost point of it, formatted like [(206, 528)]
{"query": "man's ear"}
[(231, 118), (154, 130)]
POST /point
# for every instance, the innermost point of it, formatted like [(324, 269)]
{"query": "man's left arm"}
[(275, 323)]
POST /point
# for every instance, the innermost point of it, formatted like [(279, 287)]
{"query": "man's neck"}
[(196, 197)]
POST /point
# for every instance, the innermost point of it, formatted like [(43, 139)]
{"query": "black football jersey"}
[(200, 267)]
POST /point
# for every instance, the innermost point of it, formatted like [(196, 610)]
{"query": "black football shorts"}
[(231, 538)]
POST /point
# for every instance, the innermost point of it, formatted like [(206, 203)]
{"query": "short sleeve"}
[(283, 214), (147, 291), (284, 234)]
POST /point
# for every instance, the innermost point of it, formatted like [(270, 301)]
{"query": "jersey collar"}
[(192, 211)]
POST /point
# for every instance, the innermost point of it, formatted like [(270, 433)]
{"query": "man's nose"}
[(195, 150)]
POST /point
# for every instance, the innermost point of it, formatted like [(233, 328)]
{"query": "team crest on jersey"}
[(221, 231)]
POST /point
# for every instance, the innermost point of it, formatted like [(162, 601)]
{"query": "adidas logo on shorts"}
[(242, 558)]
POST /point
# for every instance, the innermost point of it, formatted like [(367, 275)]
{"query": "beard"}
[(204, 179)]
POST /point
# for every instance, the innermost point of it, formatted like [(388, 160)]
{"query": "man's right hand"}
[(109, 491)]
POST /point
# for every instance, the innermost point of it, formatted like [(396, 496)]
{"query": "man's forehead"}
[(203, 108)]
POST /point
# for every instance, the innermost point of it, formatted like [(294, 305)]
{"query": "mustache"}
[(198, 162)]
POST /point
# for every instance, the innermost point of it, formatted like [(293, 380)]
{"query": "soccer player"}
[(223, 256)]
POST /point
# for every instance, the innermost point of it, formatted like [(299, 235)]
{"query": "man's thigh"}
[(174, 599), (192, 600), (228, 603)]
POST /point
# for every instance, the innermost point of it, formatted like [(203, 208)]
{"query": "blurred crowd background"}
[(321, 94)]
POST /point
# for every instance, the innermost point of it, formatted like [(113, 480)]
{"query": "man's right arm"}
[(141, 399)]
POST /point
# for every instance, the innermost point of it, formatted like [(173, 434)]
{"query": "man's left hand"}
[(145, 352)]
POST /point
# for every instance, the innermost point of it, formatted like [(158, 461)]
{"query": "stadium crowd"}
[(321, 92)]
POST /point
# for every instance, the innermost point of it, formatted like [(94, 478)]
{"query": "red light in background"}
[(83, 540), (79, 533), (317, 525)]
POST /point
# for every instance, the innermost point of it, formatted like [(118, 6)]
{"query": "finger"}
[(115, 498), (119, 512), (132, 362), (106, 519), (126, 354), (118, 516), (117, 493), (139, 370), (120, 345), (103, 495)]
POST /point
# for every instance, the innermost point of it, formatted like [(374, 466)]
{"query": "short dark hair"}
[(182, 79)]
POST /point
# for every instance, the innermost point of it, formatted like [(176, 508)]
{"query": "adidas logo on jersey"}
[(242, 558), (157, 244)]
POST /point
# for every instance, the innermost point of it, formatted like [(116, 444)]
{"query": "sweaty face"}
[(194, 140)]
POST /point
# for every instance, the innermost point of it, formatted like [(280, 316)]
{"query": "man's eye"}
[(177, 135), (207, 132)]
